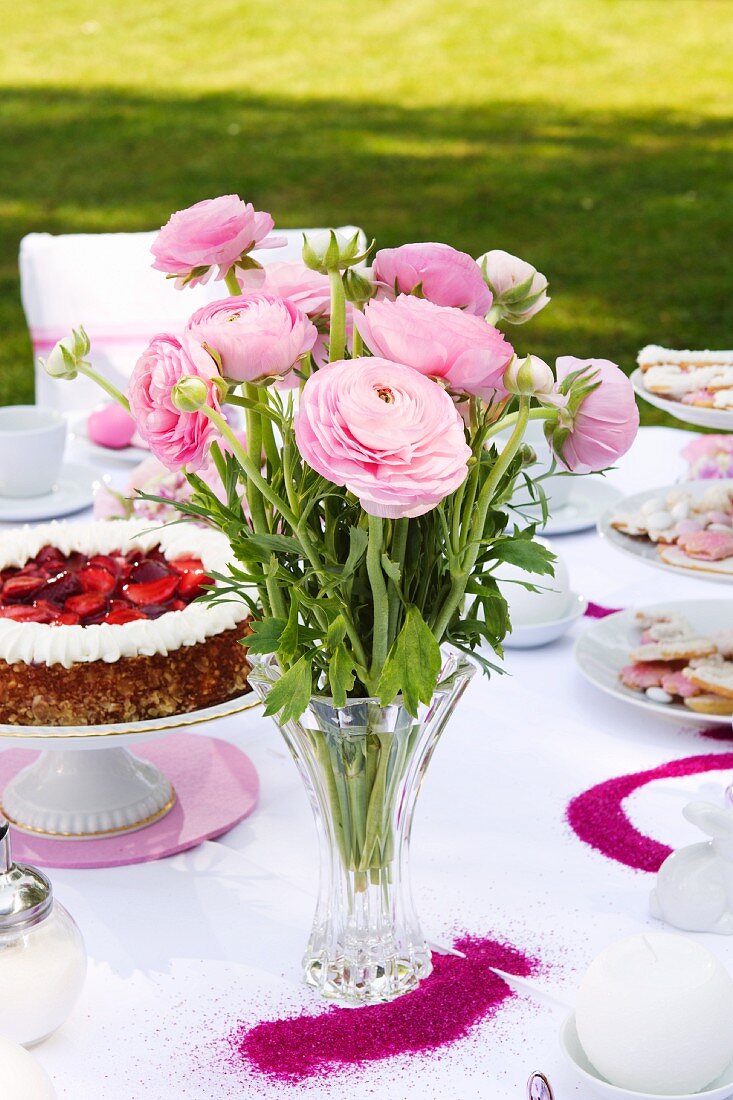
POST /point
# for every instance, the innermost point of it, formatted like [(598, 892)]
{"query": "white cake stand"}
[(87, 784)]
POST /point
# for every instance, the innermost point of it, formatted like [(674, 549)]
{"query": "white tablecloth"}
[(183, 949)]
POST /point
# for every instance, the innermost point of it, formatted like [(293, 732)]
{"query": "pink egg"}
[(111, 426)]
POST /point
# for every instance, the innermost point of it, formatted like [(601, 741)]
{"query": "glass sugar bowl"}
[(43, 961)]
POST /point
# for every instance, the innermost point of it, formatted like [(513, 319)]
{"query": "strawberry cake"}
[(98, 624)]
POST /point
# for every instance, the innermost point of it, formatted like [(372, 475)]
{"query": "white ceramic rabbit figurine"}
[(694, 888)]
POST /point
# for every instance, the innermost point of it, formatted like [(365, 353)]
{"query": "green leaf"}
[(340, 675), (391, 569), (412, 666), (265, 636), (525, 554), (358, 542), (264, 545), (336, 633), (289, 696), (289, 639)]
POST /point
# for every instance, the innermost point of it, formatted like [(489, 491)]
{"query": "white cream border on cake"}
[(38, 643)]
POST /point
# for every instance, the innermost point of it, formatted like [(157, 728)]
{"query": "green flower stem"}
[(269, 442), (357, 344), (508, 421), (232, 283), (255, 499), (398, 548), (116, 395), (494, 315), (380, 599), (338, 317), (460, 580)]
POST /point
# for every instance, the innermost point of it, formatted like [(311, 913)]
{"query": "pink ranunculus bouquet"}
[(367, 507)]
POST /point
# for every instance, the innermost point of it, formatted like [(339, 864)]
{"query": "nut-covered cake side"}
[(98, 624)]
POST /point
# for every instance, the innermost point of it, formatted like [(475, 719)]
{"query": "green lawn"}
[(592, 137)]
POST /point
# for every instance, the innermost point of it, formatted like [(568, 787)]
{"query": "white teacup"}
[(32, 442)]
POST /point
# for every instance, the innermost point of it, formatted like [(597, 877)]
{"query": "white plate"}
[(647, 551), (603, 650), (73, 491), (576, 1058), (131, 456), (537, 634), (722, 419)]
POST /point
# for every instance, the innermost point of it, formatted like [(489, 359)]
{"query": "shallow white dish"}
[(603, 650), (73, 491), (647, 551), (722, 419), (578, 1062), (528, 637), (131, 456)]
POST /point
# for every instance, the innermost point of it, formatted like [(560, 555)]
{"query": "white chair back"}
[(105, 282)]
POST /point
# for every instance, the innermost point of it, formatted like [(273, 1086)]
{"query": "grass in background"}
[(592, 137)]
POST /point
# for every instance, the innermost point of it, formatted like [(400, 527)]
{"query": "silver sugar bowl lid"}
[(26, 895)]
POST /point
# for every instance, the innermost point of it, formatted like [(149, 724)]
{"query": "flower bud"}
[(190, 394), (519, 290), (358, 287), (66, 355), (326, 251), (529, 376)]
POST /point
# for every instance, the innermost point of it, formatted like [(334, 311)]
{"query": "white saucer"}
[(73, 491), (577, 1060), (589, 498), (527, 637), (130, 456), (722, 419)]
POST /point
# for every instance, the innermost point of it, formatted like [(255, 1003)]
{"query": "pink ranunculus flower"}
[(465, 353), (256, 336), (211, 233), (443, 275), (594, 430), (175, 438), (390, 435), (308, 290)]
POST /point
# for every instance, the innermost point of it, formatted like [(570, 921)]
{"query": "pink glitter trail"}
[(457, 995), (598, 611), (598, 818)]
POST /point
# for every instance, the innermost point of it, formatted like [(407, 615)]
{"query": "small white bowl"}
[(576, 1058), (529, 635)]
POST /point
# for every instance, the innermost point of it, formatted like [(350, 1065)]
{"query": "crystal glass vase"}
[(363, 765)]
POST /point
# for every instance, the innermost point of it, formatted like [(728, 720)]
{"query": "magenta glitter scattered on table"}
[(598, 611), (597, 817), (460, 993)]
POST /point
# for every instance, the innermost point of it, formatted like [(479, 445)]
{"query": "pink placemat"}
[(216, 786)]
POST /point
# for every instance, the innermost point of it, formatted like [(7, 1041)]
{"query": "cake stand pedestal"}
[(86, 784)]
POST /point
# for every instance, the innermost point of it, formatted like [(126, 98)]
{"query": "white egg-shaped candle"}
[(21, 1076), (654, 1014), (530, 608)]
